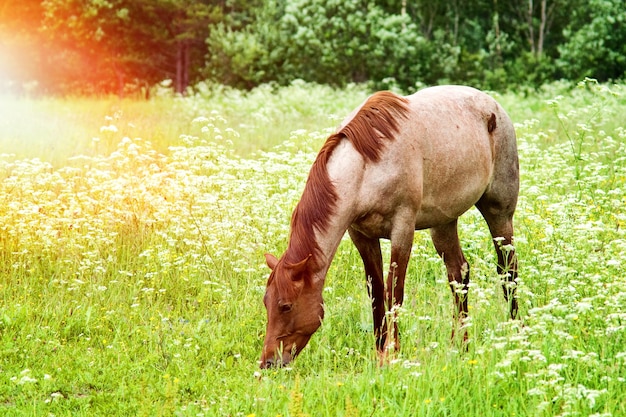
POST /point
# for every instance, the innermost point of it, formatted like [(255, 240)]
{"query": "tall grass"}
[(54, 129), (132, 266)]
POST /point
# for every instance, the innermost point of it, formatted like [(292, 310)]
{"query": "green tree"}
[(244, 51), (329, 41), (95, 46), (107, 45), (595, 42)]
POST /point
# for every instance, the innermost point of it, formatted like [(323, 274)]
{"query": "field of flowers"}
[(132, 271)]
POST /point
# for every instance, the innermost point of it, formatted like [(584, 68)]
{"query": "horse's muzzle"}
[(268, 363), (275, 362)]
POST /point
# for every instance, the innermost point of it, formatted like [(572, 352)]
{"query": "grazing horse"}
[(395, 165)]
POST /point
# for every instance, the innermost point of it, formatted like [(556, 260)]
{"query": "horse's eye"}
[(285, 307)]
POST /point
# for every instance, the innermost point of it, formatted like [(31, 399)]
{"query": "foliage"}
[(132, 276), (333, 42), (596, 42), (96, 46), (123, 46)]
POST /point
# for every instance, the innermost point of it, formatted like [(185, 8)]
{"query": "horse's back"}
[(460, 109), (457, 120), (455, 144), (468, 145)]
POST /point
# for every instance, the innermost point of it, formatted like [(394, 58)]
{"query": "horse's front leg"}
[(446, 241), (401, 243), (369, 249)]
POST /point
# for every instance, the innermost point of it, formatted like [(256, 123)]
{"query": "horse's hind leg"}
[(499, 217), (446, 241)]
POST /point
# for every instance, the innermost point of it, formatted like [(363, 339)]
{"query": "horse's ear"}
[(271, 261), (299, 267)]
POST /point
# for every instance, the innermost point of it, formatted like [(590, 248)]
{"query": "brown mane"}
[(374, 123)]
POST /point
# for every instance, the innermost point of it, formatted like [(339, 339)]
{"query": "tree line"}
[(126, 46)]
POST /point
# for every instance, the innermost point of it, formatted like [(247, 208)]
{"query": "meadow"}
[(132, 270)]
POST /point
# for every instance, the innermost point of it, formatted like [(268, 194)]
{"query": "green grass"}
[(132, 268), (53, 129)]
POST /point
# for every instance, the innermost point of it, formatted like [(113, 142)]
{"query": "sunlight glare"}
[(4, 77), (10, 67)]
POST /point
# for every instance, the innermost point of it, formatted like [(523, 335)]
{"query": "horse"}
[(395, 165)]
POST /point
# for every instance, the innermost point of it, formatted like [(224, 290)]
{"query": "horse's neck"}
[(345, 170), (321, 243), (328, 242), (320, 220)]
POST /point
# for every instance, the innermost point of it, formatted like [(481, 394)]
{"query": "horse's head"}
[(294, 310)]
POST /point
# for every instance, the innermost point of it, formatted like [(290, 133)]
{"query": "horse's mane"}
[(374, 123)]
